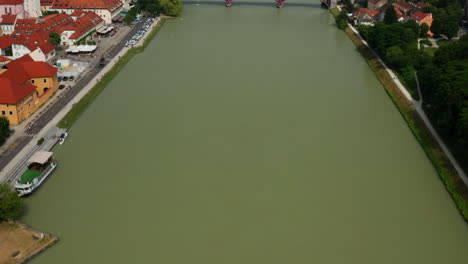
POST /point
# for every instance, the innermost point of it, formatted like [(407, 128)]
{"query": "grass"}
[(72, 116), (18, 243), (453, 183)]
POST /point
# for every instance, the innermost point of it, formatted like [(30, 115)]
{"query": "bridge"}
[(280, 3)]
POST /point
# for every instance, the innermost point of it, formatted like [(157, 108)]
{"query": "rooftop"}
[(11, 92), (8, 19), (86, 4), (40, 157)]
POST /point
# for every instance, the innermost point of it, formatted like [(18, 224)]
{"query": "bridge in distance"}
[(280, 3)]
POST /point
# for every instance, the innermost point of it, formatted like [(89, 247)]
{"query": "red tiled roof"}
[(23, 69), (403, 5), (87, 4), (4, 59), (11, 2), (8, 19), (5, 41), (371, 13), (47, 2), (422, 4), (418, 16), (24, 58), (78, 12), (84, 24), (12, 92)]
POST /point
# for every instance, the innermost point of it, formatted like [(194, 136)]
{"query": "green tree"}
[(172, 7), (391, 16), (424, 29), (128, 18), (436, 27), (396, 58), (11, 205), (4, 129), (54, 38), (451, 29), (153, 8)]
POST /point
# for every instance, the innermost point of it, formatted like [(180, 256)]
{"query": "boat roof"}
[(29, 176), (40, 157)]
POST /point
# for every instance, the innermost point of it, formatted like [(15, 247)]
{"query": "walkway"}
[(422, 114)]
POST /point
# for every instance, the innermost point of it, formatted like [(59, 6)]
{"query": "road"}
[(7, 155)]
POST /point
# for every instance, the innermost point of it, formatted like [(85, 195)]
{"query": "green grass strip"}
[(72, 116), (447, 173)]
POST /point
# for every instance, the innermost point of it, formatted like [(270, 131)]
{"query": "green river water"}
[(246, 135)]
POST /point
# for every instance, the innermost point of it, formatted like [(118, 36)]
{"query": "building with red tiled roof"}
[(25, 85), (374, 5), (106, 9), (421, 18), (22, 8), (84, 24), (16, 46), (4, 60), (365, 16)]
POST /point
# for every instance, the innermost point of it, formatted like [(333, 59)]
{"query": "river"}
[(246, 135)]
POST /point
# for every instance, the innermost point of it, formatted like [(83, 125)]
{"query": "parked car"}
[(61, 87), (60, 78), (65, 78), (71, 78)]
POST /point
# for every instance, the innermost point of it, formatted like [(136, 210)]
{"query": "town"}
[(125, 125)]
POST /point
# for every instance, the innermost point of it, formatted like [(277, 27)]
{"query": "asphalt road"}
[(65, 98)]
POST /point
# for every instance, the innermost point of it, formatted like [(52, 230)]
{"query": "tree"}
[(171, 7), (451, 29), (424, 29), (54, 38), (436, 27), (4, 129), (391, 16), (128, 18), (154, 8), (396, 58), (11, 205)]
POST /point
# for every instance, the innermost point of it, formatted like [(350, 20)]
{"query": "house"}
[(25, 85), (7, 24), (85, 24), (14, 47), (106, 9), (46, 5), (383, 11), (375, 5), (365, 16), (421, 18), (22, 8), (407, 9)]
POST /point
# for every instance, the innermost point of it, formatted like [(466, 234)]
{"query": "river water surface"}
[(246, 135)]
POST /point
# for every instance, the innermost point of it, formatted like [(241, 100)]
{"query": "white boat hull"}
[(27, 188)]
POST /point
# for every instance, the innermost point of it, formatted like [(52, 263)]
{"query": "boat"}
[(62, 138), (41, 165)]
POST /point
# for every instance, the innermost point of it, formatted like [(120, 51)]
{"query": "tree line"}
[(154, 7), (443, 76)]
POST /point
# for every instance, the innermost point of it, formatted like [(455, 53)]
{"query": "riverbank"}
[(72, 116), (402, 100), (19, 243)]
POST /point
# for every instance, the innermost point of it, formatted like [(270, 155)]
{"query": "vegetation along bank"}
[(442, 77)]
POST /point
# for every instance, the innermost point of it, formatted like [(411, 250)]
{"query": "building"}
[(106, 9), (365, 16), (85, 24), (14, 47), (407, 9), (25, 85), (22, 8), (7, 24), (421, 18), (375, 5)]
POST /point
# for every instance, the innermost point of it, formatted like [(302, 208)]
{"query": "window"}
[(3, 113), (32, 81), (11, 112), (45, 80)]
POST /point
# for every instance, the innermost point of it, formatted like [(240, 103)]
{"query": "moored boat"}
[(41, 165), (62, 138)]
